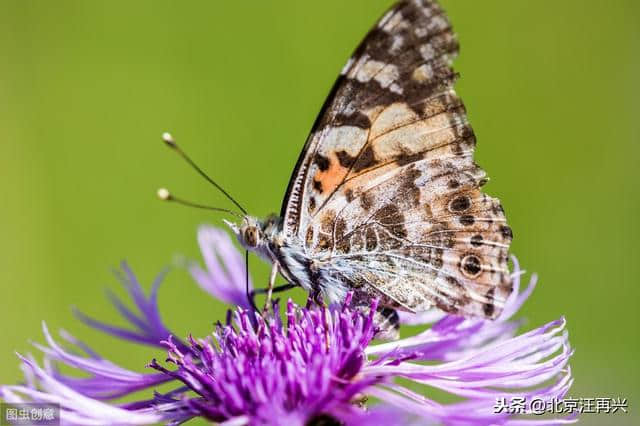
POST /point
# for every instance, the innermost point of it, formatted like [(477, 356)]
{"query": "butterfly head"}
[(254, 234)]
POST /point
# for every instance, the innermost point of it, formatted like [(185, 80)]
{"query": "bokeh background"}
[(87, 88)]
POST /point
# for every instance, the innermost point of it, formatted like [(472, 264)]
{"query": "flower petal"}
[(532, 365), (148, 326), (106, 381), (225, 274), (75, 408)]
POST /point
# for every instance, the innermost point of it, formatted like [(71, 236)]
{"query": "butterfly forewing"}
[(386, 193)]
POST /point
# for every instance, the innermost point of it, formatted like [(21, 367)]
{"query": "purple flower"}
[(317, 366)]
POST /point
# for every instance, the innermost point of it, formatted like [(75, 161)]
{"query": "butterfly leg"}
[(278, 289), (272, 281)]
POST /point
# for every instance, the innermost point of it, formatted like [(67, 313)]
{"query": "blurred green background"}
[(87, 88)]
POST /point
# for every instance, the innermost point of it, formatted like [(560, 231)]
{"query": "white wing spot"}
[(397, 43), (385, 18), (427, 52), (369, 70), (422, 73), (387, 75), (395, 88), (389, 23), (437, 23)]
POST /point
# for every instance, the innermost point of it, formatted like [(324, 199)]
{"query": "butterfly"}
[(385, 198)]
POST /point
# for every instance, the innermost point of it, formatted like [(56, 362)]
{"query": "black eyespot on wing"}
[(476, 240), (460, 204), (467, 220), (471, 266)]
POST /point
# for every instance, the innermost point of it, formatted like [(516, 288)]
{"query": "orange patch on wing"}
[(332, 177)]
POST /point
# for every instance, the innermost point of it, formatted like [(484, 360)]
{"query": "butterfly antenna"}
[(168, 139), (165, 195)]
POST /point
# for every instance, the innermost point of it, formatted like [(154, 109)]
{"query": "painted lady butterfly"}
[(385, 199)]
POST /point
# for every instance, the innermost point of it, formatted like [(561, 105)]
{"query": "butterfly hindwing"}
[(386, 193)]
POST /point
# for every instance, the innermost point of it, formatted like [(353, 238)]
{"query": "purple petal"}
[(225, 274), (106, 381), (148, 326), (531, 365), (75, 408)]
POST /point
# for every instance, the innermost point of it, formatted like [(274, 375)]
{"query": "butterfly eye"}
[(251, 236)]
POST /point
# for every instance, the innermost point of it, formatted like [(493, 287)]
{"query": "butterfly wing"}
[(386, 191)]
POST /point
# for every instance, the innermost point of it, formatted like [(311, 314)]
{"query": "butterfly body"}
[(287, 253), (385, 199)]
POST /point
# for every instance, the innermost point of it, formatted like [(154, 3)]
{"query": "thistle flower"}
[(317, 366)]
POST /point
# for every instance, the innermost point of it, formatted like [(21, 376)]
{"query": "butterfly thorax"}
[(267, 239)]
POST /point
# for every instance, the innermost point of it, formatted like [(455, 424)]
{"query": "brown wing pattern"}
[(386, 192)]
